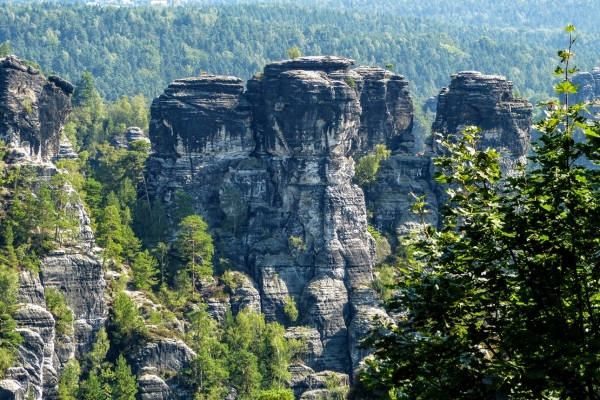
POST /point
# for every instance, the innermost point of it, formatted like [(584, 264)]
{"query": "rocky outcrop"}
[(80, 278), (245, 294), (387, 111), (32, 112), (36, 353), (65, 151), (589, 86), (11, 390), (486, 101), (312, 338), (165, 355), (270, 171), (44, 352), (32, 108), (306, 384), (151, 387), (132, 134)]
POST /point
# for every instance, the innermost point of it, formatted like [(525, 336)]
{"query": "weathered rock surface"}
[(151, 387), (245, 295), (132, 134), (270, 170), (166, 355), (11, 390), (312, 338), (280, 152), (589, 86), (387, 111), (30, 288), (65, 150), (80, 278), (32, 113), (486, 101), (32, 108), (306, 384)]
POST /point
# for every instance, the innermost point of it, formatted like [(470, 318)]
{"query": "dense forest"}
[(140, 50)]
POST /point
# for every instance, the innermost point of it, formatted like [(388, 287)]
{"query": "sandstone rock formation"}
[(589, 86), (132, 134), (78, 275), (281, 151), (32, 113), (32, 108), (486, 101), (270, 170)]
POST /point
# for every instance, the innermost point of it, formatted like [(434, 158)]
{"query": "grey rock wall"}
[(282, 150), (32, 108), (32, 113), (486, 101)]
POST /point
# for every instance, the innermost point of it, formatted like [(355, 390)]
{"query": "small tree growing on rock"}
[(293, 52), (367, 166), (195, 246)]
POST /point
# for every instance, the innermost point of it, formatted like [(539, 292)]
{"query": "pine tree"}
[(124, 384), (195, 246), (144, 270), (160, 252), (125, 319), (68, 385), (93, 389), (94, 360), (84, 91), (5, 49), (110, 231)]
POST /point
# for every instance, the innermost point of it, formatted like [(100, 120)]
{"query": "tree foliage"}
[(504, 298), (132, 50), (195, 246), (367, 166), (56, 304)]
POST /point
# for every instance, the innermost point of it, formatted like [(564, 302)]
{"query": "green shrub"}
[(56, 304), (367, 166)]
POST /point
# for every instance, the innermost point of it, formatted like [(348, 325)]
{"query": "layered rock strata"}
[(32, 108), (32, 112), (486, 101), (270, 170)]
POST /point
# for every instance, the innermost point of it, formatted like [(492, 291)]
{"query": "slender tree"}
[(195, 246)]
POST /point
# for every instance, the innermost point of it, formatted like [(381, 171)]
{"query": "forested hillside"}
[(141, 50), (504, 13)]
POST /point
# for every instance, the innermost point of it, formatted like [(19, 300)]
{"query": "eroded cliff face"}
[(589, 86), (32, 113), (282, 150), (270, 169), (32, 108), (486, 101)]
